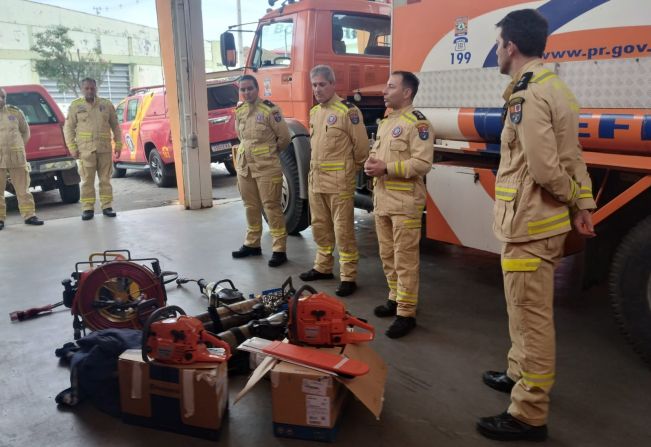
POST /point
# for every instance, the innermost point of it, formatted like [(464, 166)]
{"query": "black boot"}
[(400, 327), (314, 275), (505, 427), (386, 310), (87, 214), (108, 212), (498, 381), (245, 251), (34, 221), (277, 258), (346, 288)]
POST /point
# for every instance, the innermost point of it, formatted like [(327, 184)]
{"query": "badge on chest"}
[(259, 118), (396, 131), (515, 110), (332, 118)]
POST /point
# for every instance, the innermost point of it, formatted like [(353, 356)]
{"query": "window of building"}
[(361, 34), (274, 46)]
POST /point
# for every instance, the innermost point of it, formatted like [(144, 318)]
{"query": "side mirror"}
[(228, 50)]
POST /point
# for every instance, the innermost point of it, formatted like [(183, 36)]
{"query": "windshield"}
[(34, 106), (274, 46), (360, 34), (222, 96)]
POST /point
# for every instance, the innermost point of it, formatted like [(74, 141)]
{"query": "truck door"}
[(131, 132)]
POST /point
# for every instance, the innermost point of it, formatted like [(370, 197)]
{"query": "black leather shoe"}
[(505, 427), (498, 380), (314, 275), (277, 258), (87, 215), (386, 310), (346, 288), (400, 327), (108, 212), (2, 224), (34, 221), (245, 251)]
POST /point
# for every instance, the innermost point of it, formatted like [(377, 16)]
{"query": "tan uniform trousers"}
[(399, 238), (20, 180), (102, 164), (528, 269), (263, 193), (332, 224)]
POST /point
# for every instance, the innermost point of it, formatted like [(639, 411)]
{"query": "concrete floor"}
[(434, 392)]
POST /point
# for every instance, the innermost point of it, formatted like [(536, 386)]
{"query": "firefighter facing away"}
[(400, 157), (87, 131), (263, 133), (542, 187), (14, 134), (339, 149)]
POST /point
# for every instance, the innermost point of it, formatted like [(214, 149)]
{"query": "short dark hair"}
[(252, 79), (89, 80), (527, 29), (409, 80)]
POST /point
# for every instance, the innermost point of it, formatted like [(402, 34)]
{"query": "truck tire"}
[(230, 167), (69, 193), (162, 174), (118, 172), (295, 209), (630, 287)]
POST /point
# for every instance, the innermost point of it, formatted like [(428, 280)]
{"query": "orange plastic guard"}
[(318, 359)]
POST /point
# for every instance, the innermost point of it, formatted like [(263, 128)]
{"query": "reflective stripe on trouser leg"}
[(21, 180), (271, 189), (406, 248), (322, 231), (528, 270), (343, 212), (87, 169), (253, 209), (104, 171), (384, 231)]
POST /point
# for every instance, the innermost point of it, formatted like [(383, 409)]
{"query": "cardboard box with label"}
[(188, 399), (307, 403)]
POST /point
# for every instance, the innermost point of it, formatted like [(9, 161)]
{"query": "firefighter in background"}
[(263, 133), (88, 135), (339, 149), (14, 134), (542, 187), (400, 157)]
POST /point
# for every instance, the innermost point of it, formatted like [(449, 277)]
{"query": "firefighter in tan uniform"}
[(263, 133), (339, 148), (14, 134), (542, 187), (399, 159), (88, 136)]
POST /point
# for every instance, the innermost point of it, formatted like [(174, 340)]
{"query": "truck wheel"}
[(295, 209), (118, 172), (162, 174), (230, 167), (630, 287), (69, 193)]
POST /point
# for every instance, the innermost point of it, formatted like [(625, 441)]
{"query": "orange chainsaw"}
[(168, 338), (322, 320)]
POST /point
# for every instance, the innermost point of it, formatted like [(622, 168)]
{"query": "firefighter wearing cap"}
[(14, 134), (339, 148), (263, 133), (87, 131), (400, 157)]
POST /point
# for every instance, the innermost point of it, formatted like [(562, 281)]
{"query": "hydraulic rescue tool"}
[(182, 339)]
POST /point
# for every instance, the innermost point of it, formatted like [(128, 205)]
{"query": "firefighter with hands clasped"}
[(400, 157), (263, 133), (542, 187)]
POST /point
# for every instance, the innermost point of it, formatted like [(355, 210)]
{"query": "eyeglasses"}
[(246, 89)]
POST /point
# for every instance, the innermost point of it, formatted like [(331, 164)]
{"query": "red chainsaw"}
[(168, 338)]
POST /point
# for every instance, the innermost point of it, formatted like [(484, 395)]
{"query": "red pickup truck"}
[(51, 165), (147, 138)]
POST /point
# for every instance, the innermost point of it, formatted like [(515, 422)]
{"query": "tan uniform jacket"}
[(14, 134), (542, 174), (88, 126), (263, 133), (405, 142), (339, 146)]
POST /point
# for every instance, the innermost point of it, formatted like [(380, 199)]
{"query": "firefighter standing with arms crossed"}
[(14, 134), (542, 187), (88, 135), (339, 149), (399, 159), (263, 133)]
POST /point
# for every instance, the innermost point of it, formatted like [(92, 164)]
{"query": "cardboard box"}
[(188, 399), (307, 403)]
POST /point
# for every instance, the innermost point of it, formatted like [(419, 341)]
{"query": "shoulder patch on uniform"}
[(268, 103), (347, 103), (418, 115), (523, 82), (277, 116), (354, 116), (515, 110), (423, 131)]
